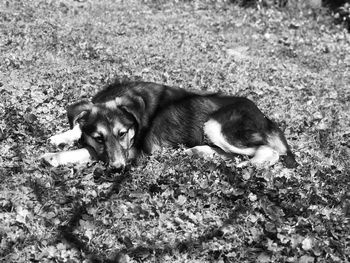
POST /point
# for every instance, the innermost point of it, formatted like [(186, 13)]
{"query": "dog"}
[(126, 120)]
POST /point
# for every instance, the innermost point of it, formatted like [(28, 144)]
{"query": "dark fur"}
[(168, 116)]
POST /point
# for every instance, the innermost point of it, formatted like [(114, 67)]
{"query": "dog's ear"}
[(136, 108), (78, 111)]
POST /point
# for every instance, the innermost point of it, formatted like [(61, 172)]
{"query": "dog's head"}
[(109, 128)]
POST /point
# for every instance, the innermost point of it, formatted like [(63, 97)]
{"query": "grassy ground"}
[(171, 207)]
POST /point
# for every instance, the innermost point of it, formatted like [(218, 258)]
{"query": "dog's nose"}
[(116, 166), (114, 170)]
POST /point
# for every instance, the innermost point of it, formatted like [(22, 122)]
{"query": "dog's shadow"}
[(67, 232)]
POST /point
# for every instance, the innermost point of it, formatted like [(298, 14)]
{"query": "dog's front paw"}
[(203, 151), (58, 140), (51, 159)]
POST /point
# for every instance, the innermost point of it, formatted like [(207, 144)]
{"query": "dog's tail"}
[(289, 160), (277, 141)]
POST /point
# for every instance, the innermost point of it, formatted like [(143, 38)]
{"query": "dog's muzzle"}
[(117, 164)]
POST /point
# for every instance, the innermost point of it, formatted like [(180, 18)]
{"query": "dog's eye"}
[(99, 139), (122, 133)]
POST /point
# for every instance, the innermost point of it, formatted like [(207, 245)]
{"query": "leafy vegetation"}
[(172, 207)]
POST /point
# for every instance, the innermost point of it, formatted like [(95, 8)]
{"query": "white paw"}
[(189, 152), (51, 159), (67, 137), (58, 139), (204, 151)]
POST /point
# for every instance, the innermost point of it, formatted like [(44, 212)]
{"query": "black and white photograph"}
[(180, 131)]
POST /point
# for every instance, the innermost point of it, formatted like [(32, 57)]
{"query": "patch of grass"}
[(172, 207)]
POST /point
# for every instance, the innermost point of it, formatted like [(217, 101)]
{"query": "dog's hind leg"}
[(67, 137), (62, 158), (262, 155), (213, 130)]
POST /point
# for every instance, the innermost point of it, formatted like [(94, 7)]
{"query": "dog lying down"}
[(126, 120)]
